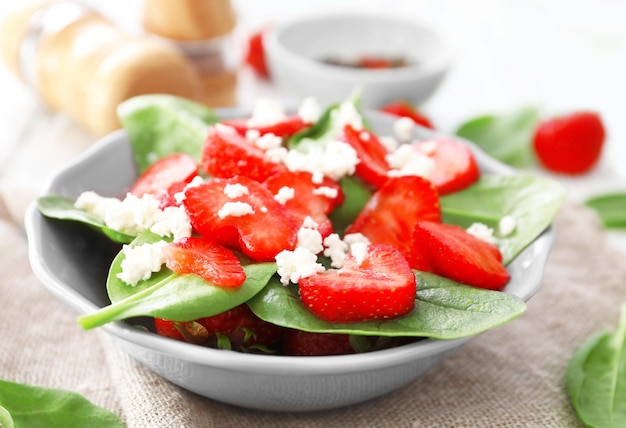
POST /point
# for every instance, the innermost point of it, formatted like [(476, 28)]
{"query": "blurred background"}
[(557, 55)]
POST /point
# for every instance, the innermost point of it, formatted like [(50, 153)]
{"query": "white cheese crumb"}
[(95, 204), (141, 261), (133, 215), (507, 225), (296, 264), (335, 249), (389, 142), (236, 190), (179, 197), (365, 136), (403, 129), (267, 112), (226, 129), (335, 160), (173, 222), (329, 192), (268, 141), (484, 232), (310, 239), (310, 223), (276, 155), (347, 114), (310, 110), (235, 209), (355, 238), (359, 252), (407, 160), (284, 194), (252, 134)]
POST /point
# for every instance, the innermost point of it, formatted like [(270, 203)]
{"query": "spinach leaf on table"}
[(177, 297), (506, 137), (531, 200), (611, 208), (26, 406), (444, 309), (596, 378), (159, 125)]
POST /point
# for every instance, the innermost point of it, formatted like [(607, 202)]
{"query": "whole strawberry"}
[(570, 144)]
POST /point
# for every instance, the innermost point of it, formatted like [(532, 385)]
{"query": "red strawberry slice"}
[(243, 329), (571, 144), (372, 166), (157, 178), (452, 252), (455, 166), (309, 199), (254, 222), (206, 258), (284, 129), (404, 109), (389, 216), (226, 154), (304, 343), (381, 287)]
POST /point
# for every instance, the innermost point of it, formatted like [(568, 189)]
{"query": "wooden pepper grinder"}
[(82, 64), (204, 31)]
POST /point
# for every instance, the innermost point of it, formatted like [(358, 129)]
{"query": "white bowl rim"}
[(407, 73)]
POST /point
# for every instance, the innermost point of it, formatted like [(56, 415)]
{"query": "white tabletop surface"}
[(559, 55)]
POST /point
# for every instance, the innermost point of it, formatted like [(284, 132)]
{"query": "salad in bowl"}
[(292, 237)]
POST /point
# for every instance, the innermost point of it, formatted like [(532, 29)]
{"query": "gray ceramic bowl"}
[(295, 50), (72, 263)]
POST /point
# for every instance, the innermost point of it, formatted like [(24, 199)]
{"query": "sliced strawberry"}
[(206, 258), (168, 198), (304, 343), (259, 225), (453, 253), (455, 166), (404, 109), (243, 330), (389, 216), (155, 180), (372, 166), (226, 154), (284, 129), (570, 144), (381, 287), (309, 199)]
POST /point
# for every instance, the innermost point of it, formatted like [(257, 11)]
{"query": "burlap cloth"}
[(512, 376)]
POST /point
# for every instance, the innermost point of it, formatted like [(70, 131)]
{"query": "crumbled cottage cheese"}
[(268, 141), (310, 110), (329, 192), (335, 159), (507, 225), (310, 239), (359, 252), (235, 209), (335, 249), (407, 160), (389, 142), (403, 129), (133, 215), (297, 264), (236, 190), (482, 231), (141, 261), (284, 194), (267, 112)]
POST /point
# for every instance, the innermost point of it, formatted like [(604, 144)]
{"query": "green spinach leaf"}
[(356, 195), (444, 309), (596, 378), (158, 125), (173, 296), (531, 200), (25, 406), (611, 209), (62, 208), (507, 137)]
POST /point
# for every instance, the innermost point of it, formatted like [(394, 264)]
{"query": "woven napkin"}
[(511, 376)]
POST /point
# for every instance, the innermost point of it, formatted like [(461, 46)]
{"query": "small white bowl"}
[(72, 262), (296, 49)]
